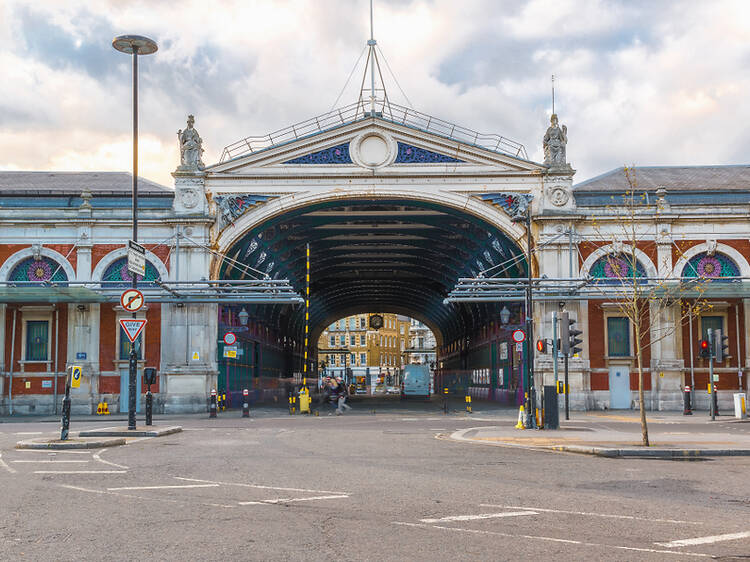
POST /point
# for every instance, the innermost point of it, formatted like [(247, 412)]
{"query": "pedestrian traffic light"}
[(541, 345), (721, 346), (704, 349)]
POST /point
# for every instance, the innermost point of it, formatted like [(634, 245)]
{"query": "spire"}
[(374, 96)]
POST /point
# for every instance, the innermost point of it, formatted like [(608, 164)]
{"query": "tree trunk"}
[(644, 427)]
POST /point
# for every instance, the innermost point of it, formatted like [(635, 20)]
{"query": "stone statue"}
[(554, 142), (191, 148)]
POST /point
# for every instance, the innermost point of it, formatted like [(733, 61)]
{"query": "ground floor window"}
[(37, 340), (125, 346), (618, 336), (711, 323)]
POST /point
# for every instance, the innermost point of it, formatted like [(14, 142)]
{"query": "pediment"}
[(373, 145)]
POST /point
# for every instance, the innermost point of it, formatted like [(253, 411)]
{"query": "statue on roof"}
[(555, 140), (191, 147)]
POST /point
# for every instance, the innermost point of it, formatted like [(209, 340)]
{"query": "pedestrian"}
[(330, 395), (343, 395)]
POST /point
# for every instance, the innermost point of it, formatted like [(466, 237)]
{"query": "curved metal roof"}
[(384, 256)]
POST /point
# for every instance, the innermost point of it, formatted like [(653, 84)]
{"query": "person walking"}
[(343, 394)]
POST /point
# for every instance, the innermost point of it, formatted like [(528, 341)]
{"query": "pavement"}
[(618, 434)]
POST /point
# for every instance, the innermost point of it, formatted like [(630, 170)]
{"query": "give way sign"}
[(132, 327)]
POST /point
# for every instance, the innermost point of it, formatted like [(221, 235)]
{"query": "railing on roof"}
[(387, 111)]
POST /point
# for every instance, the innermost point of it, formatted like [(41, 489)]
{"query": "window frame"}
[(629, 328)]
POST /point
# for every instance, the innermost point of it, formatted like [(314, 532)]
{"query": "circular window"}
[(373, 150)]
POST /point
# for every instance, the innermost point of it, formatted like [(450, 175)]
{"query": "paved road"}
[(387, 486)]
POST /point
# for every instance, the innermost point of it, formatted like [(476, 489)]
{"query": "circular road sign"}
[(230, 338), (132, 300), (519, 336)]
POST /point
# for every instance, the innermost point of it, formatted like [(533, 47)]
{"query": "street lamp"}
[(134, 45), (243, 315), (505, 315)]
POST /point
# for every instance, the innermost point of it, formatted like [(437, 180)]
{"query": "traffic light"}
[(721, 346), (541, 345), (569, 340), (704, 350)]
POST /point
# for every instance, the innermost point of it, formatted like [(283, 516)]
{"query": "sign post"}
[(73, 377)]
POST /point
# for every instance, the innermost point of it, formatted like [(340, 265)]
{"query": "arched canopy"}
[(376, 255)]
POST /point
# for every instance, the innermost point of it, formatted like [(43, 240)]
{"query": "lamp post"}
[(134, 45), (525, 217)]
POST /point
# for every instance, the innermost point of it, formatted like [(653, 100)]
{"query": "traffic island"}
[(152, 431), (74, 443)]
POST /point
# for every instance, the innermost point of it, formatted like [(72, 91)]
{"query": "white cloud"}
[(644, 83)]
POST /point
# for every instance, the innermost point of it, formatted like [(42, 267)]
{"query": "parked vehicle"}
[(416, 382)]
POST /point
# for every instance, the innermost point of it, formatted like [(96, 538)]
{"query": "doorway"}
[(619, 387)]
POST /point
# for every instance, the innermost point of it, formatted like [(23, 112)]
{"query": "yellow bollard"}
[(468, 403), (99, 409), (105, 409)]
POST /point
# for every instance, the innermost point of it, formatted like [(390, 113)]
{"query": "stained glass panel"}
[(710, 267), (616, 268), (118, 271), (41, 270)]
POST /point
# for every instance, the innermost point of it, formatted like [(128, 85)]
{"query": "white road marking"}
[(80, 471), (290, 500), (98, 457), (164, 487), (257, 486), (147, 498), (479, 516), (5, 466), (705, 540), (28, 433), (52, 461), (607, 515), (48, 452), (550, 539)]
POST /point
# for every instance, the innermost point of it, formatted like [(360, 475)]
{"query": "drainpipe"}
[(57, 348), (692, 366), (12, 354), (739, 355)]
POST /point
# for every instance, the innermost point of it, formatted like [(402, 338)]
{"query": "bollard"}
[(445, 400), (212, 405), (149, 407), (245, 404), (468, 404), (687, 409)]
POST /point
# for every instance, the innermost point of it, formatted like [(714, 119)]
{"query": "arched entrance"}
[(385, 251)]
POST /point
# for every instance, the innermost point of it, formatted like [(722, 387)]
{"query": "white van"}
[(416, 381)]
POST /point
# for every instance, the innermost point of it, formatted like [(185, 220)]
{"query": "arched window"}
[(710, 267), (38, 270), (614, 268), (118, 271)]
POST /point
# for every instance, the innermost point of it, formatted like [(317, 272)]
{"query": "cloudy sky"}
[(638, 82)]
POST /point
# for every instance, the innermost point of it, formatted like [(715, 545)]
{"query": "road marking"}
[(164, 487), (479, 516), (257, 486), (608, 515), (5, 466), (28, 433), (290, 500), (51, 461), (550, 539), (47, 452), (705, 540), (80, 471), (146, 498), (98, 457)]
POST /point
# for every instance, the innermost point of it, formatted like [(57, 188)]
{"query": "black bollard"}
[(149, 374), (687, 409), (212, 406), (245, 404), (66, 412)]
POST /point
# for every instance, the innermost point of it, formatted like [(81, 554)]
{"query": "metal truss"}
[(479, 290), (250, 291)]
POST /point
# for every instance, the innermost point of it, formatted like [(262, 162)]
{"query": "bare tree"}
[(630, 223)]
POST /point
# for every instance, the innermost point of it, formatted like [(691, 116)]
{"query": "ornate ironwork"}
[(118, 271), (231, 207), (39, 270), (708, 266), (514, 204), (333, 155), (616, 268), (408, 154)]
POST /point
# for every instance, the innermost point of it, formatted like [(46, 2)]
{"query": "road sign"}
[(136, 259), (133, 327), (230, 351), (196, 356), (132, 300), (76, 373), (230, 338), (519, 336)]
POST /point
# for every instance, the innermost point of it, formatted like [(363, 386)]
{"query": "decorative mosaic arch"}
[(118, 271), (39, 270), (707, 266), (612, 268)]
